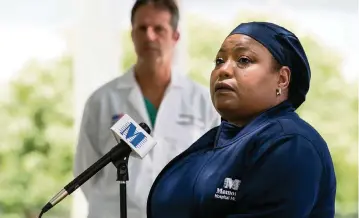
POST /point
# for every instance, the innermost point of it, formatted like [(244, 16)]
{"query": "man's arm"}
[(213, 117), (283, 181), (215, 121), (86, 153)]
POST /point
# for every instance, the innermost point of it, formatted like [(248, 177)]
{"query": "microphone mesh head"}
[(145, 127)]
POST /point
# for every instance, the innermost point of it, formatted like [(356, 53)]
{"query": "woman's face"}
[(244, 81)]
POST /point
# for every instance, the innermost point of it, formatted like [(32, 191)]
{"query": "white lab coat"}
[(185, 114)]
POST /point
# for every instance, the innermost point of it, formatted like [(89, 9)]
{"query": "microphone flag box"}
[(136, 137)]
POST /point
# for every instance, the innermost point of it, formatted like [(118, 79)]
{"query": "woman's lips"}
[(223, 87)]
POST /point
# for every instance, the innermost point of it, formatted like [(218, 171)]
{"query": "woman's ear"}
[(284, 77)]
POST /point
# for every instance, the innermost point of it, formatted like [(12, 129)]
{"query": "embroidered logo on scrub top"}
[(116, 117), (229, 190)]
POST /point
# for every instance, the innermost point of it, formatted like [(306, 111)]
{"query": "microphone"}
[(130, 137)]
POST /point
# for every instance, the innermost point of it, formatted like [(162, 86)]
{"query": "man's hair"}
[(169, 5)]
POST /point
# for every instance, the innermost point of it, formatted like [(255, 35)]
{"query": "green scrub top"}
[(151, 110)]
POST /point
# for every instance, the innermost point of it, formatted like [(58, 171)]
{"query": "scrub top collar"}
[(229, 133)]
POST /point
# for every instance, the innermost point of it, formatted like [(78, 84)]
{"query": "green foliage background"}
[(36, 139), (37, 116)]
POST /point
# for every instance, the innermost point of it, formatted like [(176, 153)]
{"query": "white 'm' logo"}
[(231, 184)]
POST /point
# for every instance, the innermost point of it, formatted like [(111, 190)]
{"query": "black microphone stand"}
[(118, 155), (122, 176), (121, 164)]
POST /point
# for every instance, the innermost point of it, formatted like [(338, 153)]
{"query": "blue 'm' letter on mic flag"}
[(136, 138)]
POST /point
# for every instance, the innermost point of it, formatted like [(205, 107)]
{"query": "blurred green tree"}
[(129, 55), (37, 141)]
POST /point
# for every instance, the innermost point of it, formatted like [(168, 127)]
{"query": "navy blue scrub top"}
[(277, 166)]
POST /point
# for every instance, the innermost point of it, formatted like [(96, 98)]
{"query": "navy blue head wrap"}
[(287, 50)]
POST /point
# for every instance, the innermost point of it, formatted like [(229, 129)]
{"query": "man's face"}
[(152, 34)]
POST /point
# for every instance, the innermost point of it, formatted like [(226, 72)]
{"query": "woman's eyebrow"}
[(243, 48), (222, 50), (238, 47)]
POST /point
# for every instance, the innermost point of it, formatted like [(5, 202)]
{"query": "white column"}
[(180, 55), (96, 54), (96, 48)]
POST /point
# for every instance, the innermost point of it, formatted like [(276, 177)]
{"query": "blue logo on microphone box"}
[(135, 137)]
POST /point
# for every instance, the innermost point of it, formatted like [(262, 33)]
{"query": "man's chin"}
[(151, 60)]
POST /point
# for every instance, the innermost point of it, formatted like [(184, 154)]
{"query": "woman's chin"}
[(225, 106)]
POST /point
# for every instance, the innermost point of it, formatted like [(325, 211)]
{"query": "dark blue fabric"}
[(276, 166), (287, 50)]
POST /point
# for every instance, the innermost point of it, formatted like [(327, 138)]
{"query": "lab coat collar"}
[(128, 79)]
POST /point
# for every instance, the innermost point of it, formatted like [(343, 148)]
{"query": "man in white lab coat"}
[(177, 109)]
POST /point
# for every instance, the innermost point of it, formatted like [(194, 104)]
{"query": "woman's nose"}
[(226, 70)]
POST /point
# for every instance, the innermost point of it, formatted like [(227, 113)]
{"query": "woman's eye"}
[(219, 61), (244, 60)]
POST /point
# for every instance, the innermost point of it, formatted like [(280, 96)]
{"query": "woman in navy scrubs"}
[(263, 160)]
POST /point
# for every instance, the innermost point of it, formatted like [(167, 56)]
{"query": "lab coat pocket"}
[(182, 136)]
